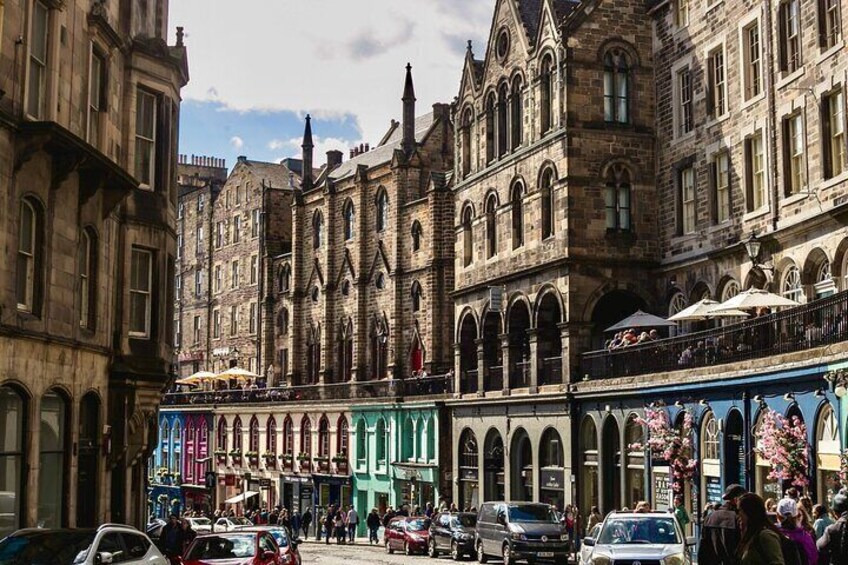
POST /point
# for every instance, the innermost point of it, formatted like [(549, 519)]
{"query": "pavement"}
[(313, 552)]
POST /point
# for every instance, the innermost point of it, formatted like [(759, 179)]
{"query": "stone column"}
[(457, 369), (505, 360), (564, 332), (32, 442), (481, 365), (533, 338)]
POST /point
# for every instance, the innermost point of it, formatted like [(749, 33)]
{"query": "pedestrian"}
[(833, 545), (295, 524), (453, 507), (760, 541), (274, 516), (352, 523), (188, 534), (387, 517), (305, 521), (339, 527), (822, 520), (788, 511), (680, 513), (172, 537), (594, 519), (329, 523), (720, 531), (373, 523), (428, 510), (642, 507)]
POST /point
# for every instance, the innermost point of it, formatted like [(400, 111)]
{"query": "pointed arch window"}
[(465, 142), (222, 434), (381, 440), (546, 98), (517, 112), (342, 436), (491, 104), (324, 437), (349, 218), (288, 436), (616, 87), (491, 226), (417, 232), (271, 435), (416, 296), (517, 199), (617, 198), (546, 188), (253, 439), (283, 321), (467, 236), (503, 119), (237, 435), (382, 210), (317, 230), (346, 351), (306, 436), (379, 349)]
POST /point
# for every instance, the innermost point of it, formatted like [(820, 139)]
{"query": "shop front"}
[(296, 492), (332, 489), (416, 485)]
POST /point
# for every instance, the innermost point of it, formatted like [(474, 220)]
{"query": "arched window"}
[(517, 199), (271, 435), (361, 443), (222, 434), (317, 230), (677, 303), (323, 437), (416, 235), (546, 98), (710, 439), (342, 436), (12, 456), (165, 442), (176, 447), (416, 296), (88, 278), (381, 441), (467, 237), (288, 436), (824, 285), (237, 435), (285, 278), (349, 218), (306, 436), (379, 349), (253, 439), (468, 451), (382, 210), (283, 321), (517, 112), (616, 87), (491, 104), (380, 281), (52, 460), (465, 141), (827, 451), (491, 226), (89, 455), (28, 282), (547, 191), (617, 198), (503, 121), (731, 289), (791, 287)]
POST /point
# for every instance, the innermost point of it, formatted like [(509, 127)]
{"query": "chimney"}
[(408, 112), (367, 148), (441, 111), (242, 159), (307, 154), (334, 158), (352, 155)]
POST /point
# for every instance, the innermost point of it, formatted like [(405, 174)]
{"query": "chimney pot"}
[(367, 148), (242, 158), (334, 158)]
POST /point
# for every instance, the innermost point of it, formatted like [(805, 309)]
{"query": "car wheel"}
[(431, 549), (481, 557), (455, 555), (507, 555), (389, 547), (406, 549)]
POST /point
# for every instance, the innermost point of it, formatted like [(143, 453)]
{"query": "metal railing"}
[(811, 325)]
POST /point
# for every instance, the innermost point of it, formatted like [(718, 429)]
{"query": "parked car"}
[(453, 532), (288, 547), (243, 548), (650, 538), (200, 524), (154, 528), (229, 523), (520, 530), (84, 546), (409, 535), (586, 550)]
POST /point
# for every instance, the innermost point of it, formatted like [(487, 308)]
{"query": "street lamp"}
[(753, 246)]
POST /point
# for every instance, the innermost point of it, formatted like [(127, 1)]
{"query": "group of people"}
[(747, 530), (631, 337), (340, 523), (176, 536)]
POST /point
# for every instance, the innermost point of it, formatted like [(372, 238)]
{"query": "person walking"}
[(833, 545), (329, 523), (680, 513), (352, 523), (172, 537), (822, 520), (760, 541), (339, 527), (188, 534), (720, 532), (373, 523), (594, 519), (305, 521), (295, 524), (788, 510)]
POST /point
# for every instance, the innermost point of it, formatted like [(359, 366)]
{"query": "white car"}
[(586, 550), (230, 523), (110, 543), (653, 537), (200, 524)]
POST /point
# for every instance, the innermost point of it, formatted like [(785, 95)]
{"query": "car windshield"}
[(200, 521), (464, 521), (223, 547), (417, 525), (532, 513), (281, 537), (46, 548), (241, 521), (617, 531)]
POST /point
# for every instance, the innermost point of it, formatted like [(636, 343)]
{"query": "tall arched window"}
[(547, 192), (342, 436), (306, 436), (617, 198), (467, 236), (271, 435), (317, 230), (323, 437), (28, 282), (165, 444), (221, 443), (465, 142), (52, 477), (503, 119), (283, 321), (491, 226), (379, 349), (176, 448), (253, 439), (517, 199), (517, 112), (381, 441), (415, 293), (710, 457), (791, 287), (382, 210), (89, 455), (12, 445), (88, 278), (361, 443), (349, 218), (417, 233), (285, 279), (238, 438), (491, 104), (288, 436), (616, 87), (546, 95)]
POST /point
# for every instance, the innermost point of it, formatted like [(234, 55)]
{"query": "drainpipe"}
[(768, 35)]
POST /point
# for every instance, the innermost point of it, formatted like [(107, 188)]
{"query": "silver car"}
[(628, 537)]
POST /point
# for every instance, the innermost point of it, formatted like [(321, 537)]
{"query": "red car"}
[(234, 548), (409, 535)]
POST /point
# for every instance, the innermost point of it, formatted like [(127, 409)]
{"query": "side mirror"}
[(590, 542), (691, 541), (103, 558)]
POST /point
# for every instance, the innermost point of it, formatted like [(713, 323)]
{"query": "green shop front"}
[(397, 451)]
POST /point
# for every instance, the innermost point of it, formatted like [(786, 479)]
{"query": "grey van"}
[(520, 530)]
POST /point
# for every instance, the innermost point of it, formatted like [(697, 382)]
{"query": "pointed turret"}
[(307, 147), (408, 112)]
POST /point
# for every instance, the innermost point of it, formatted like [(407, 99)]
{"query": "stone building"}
[(364, 295), (230, 230), (88, 143), (555, 213)]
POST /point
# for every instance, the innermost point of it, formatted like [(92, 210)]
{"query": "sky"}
[(259, 66)]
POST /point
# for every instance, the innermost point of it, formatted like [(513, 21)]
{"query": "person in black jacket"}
[(330, 522), (833, 545), (305, 521), (373, 523), (720, 533)]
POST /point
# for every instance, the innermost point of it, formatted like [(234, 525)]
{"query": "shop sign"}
[(552, 479), (187, 356), (469, 475), (306, 491), (222, 351), (230, 480), (662, 489), (265, 483), (714, 492)]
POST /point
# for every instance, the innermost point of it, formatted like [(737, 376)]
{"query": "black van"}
[(520, 530)]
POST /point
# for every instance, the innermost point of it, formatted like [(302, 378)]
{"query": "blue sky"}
[(253, 79)]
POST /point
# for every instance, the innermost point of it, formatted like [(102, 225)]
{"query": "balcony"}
[(493, 380), (550, 372), (468, 381), (815, 324), (439, 386)]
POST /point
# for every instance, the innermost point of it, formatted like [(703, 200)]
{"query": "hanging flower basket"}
[(672, 446), (843, 469), (783, 443), (162, 499), (303, 457)]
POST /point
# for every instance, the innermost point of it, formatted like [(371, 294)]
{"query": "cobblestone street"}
[(314, 553)]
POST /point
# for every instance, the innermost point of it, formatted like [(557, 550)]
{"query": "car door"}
[(219, 525), (585, 550), (267, 543), (398, 534), (137, 547), (111, 542), (443, 531)]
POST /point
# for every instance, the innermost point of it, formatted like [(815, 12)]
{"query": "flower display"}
[(669, 444), (783, 443), (843, 469)]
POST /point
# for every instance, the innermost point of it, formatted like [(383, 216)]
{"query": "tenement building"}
[(88, 143), (555, 223)]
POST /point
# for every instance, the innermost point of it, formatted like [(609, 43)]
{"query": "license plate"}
[(545, 554)]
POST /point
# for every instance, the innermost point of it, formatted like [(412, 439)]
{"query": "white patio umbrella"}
[(196, 378), (703, 310), (237, 373), (755, 298)]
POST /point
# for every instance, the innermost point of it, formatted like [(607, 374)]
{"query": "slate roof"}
[(274, 174), (530, 12)]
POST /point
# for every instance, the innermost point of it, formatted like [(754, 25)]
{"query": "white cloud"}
[(352, 63), (292, 148), (236, 142)]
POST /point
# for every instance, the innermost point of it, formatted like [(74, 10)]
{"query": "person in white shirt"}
[(352, 522)]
